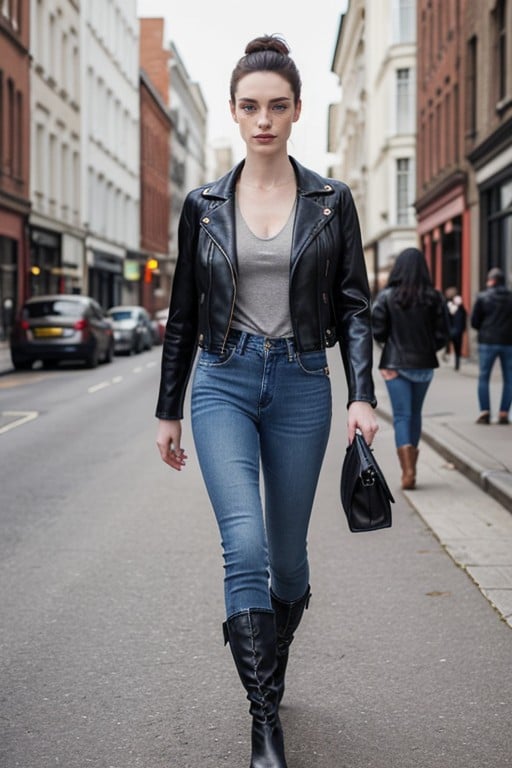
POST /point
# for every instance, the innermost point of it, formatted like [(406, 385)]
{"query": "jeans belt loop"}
[(242, 342), (290, 345)]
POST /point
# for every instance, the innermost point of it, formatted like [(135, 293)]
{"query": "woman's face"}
[(265, 109)]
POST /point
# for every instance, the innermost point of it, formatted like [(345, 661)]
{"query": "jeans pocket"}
[(313, 363), (209, 359)]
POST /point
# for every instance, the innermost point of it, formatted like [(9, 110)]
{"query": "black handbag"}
[(365, 495)]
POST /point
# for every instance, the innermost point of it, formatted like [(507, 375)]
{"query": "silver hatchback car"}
[(61, 327), (133, 331)]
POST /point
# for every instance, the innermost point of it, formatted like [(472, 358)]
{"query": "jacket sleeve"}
[(352, 307), (477, 314), (441, 323), (380, 319), (179, 347)]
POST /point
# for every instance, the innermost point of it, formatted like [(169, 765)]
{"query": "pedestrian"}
[(410, 322), (457, 317), (270, 273), (491, 316)]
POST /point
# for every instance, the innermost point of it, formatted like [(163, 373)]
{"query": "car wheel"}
[(109, 354), (91, 360), (21, 365)]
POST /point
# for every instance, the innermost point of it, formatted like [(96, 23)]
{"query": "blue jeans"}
[(407, 399), (261, 402), (488, 353)]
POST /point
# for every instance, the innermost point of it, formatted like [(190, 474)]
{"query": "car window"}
[(121, 314), (59, 307)]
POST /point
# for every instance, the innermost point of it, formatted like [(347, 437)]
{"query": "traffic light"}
[(151, 265)]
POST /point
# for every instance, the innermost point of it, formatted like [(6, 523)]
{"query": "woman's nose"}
[(264, 118)]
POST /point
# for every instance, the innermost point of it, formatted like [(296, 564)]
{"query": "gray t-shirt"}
[(263, 296)]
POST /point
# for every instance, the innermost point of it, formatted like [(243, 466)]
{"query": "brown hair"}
[(269, 53)]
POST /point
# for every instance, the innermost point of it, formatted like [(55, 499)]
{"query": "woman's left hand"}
[(361, 416)]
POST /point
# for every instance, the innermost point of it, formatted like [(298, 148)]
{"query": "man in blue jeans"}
[(492, 318)]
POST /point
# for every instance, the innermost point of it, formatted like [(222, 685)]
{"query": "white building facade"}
[(56, 221), (373, 129), (189, 140), (110, 177)]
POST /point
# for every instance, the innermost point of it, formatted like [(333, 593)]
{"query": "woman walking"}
[(410, 320), (270, 272)]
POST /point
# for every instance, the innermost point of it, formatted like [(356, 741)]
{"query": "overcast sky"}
[(211, 37)]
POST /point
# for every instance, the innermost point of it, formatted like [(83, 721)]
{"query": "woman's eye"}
[(279, 107), (247, 108)]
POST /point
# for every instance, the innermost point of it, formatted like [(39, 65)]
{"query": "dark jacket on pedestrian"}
[(329, 293), (412, 335), (458, 320), (492, 315)]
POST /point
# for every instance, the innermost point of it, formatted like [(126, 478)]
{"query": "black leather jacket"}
[(410, 336), (329, 294), (492, 316)]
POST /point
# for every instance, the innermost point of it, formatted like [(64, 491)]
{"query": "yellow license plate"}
[(45, 333)]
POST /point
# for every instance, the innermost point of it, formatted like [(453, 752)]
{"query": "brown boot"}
[(406, 457), (415, 453)]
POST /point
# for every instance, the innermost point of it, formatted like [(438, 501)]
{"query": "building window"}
[(404, 101), (472, 86), (404, 191), (404, 21), (1, 120), (501, 48)]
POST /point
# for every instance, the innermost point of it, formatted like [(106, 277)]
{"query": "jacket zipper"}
[(232, 310)]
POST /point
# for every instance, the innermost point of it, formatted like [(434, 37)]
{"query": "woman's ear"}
[(232, 107), (298, 108)]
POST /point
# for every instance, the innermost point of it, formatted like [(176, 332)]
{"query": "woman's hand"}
[(361, 416), (388, 374), (168, 440)]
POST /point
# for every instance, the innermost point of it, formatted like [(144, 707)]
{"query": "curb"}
[(496, 481)]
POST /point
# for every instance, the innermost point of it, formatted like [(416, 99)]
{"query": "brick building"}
[(442, 169), (14, 157), (155, 161), (488, 136)]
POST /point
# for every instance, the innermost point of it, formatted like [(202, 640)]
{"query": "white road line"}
[(138, 369), (24, 417), (97, 387), (117, 379)]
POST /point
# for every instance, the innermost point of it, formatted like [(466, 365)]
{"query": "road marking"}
[(97, 387), (22, 418), (117, 379), (138, 369)]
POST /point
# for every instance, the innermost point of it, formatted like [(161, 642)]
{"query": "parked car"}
[(132, 329), (61, 327), (160, 321)]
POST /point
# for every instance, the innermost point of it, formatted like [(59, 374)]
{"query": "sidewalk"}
[(482, 453)]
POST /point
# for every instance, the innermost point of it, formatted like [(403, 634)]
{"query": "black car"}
[(61, 327)]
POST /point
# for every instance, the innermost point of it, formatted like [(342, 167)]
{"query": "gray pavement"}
[(474, 526), (477, 533)]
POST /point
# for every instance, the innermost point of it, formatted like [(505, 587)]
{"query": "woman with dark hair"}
[(410, 321), (270, 273)]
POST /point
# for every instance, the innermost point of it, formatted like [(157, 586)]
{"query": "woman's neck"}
[(267, 175)]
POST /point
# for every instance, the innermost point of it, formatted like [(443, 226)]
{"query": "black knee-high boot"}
[(252, 639), (288, 618)]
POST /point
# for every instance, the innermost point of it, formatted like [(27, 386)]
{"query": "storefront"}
[(495, 197), (12, 259), (443, 227)]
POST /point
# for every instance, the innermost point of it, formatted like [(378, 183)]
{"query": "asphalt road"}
[(111, 606)]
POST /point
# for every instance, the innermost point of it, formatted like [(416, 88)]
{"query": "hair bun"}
[(274, 43)]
